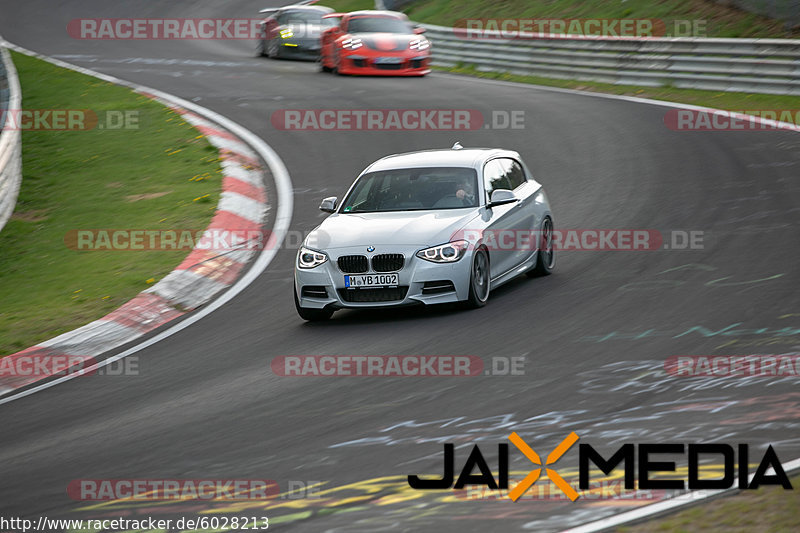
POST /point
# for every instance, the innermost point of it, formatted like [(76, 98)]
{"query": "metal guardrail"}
[(10, 139), (769, 66)]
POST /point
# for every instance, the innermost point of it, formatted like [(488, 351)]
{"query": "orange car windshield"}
[(378, 25)]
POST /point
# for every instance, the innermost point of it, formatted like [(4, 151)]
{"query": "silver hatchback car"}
[(428, 227)]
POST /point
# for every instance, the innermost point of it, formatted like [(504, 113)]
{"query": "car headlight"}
[(444, 253), (352, 43), (286, 33), (310, 258), (419, 44)]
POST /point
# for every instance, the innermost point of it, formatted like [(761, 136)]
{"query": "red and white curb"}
[(203, 275), (242, 206)]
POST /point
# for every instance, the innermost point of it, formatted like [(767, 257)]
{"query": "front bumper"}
[(419, 281), (370, 65), (299, 48)]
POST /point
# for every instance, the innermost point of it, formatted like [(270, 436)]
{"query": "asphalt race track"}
[(595, 334)]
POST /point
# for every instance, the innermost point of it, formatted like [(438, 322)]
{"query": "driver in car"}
[(465, 193)]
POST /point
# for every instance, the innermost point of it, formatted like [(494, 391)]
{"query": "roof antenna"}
[(457, 146)]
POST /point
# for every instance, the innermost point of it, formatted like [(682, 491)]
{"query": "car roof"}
[(376, 12), (323, 9), (465, 157)]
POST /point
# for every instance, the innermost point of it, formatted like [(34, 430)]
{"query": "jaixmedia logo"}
[(642, 474)]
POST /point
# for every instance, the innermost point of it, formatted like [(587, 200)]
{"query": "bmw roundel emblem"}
[(370, 248)]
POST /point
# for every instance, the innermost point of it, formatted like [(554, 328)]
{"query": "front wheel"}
[(546, 256), (273, 50), (311, 315), (337, 61), (479, 280)]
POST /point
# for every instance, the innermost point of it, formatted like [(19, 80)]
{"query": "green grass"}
[(90, 180), (721, 21), (766, 510)]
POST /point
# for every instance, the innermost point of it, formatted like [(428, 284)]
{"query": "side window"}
[(494, 177), (513, 171), (365, 196)]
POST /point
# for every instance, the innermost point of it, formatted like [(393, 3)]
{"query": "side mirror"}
[(501, 197), (328, 204), (419, 30)]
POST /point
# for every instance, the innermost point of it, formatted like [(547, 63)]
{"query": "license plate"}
[(371, 280), (389, 60)]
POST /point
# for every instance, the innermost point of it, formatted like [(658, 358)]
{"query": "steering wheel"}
[(449, 200)]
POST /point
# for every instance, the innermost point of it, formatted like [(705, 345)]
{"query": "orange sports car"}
[(375, 43)]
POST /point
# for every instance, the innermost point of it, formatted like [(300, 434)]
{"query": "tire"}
[(273, 50), (336, 61), (311, 315), (322, 66), (260, 51), (479, 280), (546, 256)]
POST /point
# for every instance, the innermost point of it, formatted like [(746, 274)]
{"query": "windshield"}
[(378, 24), (413, 189), (305, 17)]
